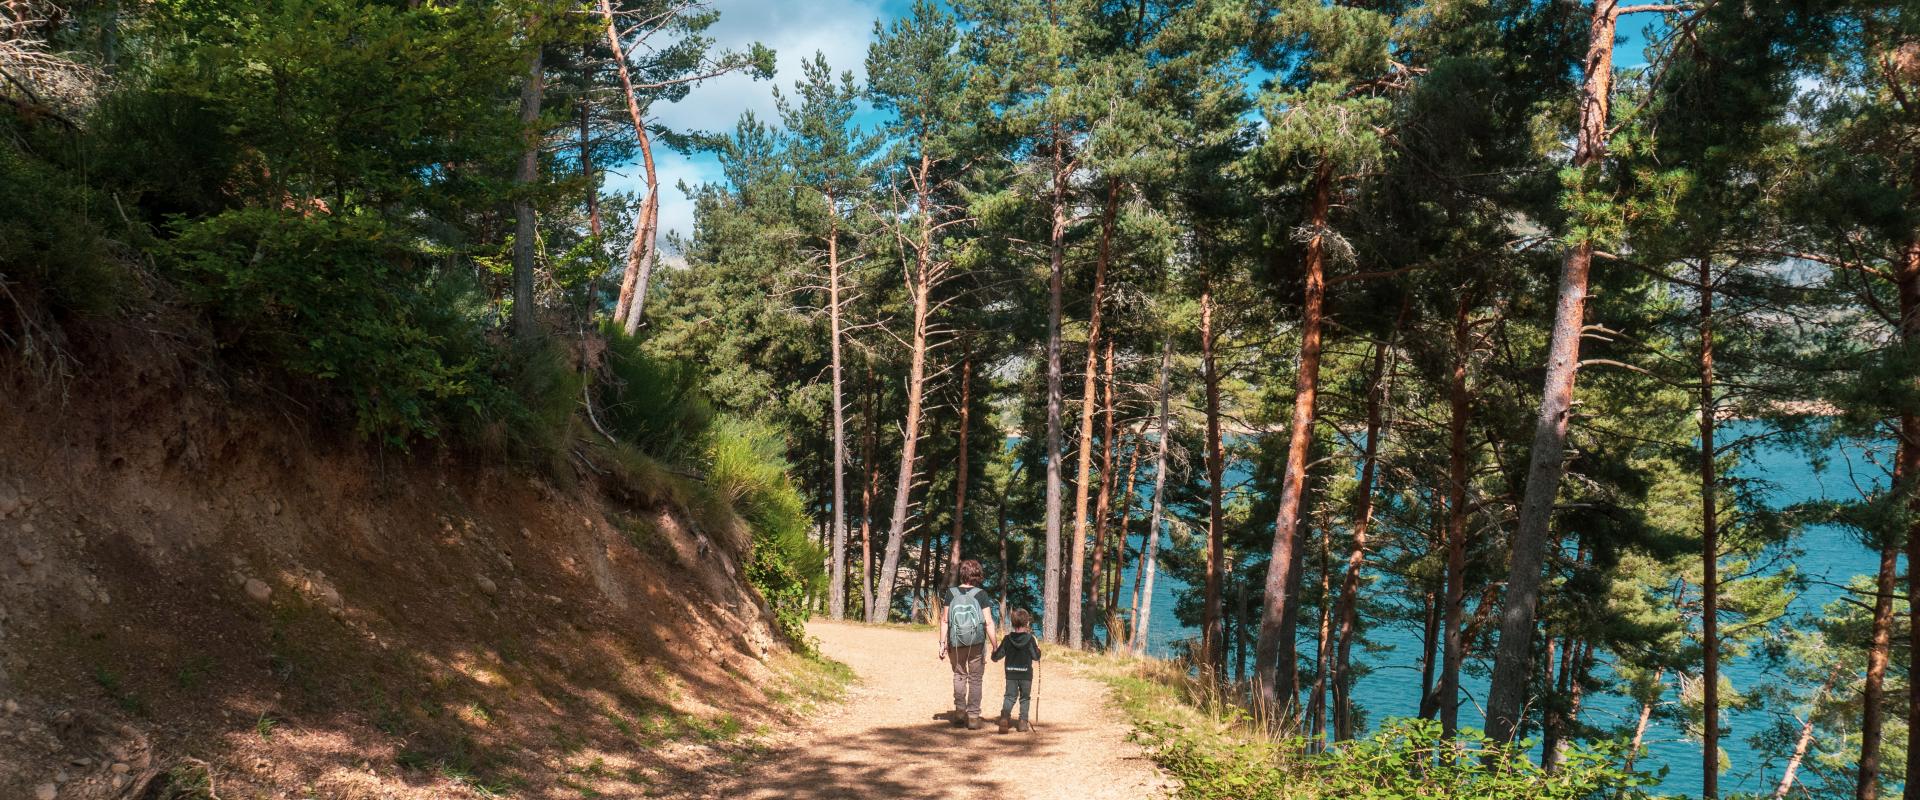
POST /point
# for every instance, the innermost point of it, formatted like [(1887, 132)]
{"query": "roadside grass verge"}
[(1215, 750)]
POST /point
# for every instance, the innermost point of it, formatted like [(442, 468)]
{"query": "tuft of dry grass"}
[(1201, 731)]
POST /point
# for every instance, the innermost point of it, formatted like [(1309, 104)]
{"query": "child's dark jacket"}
[(1020, 649)]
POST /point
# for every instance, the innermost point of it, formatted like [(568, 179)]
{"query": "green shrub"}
[(747, 466), (48, 237), (655, 404), (340, 299), (1405, 759), (1408, 758), (537, 405)]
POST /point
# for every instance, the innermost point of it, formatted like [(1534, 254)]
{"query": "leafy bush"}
[(1405, 759), (1408, 758), (295, 291), (47, 237), (747, 467)]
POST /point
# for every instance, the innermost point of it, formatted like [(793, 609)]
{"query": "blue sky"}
[(796, 29)]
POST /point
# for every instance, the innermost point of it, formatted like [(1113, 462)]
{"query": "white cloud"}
[(795, 29)]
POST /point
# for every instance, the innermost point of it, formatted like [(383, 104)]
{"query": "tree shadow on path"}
[(931, 761)]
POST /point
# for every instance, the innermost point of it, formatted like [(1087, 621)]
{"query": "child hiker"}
[(965, 628), (1020, 650)]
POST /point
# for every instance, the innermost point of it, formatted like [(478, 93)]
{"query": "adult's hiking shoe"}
[(973, 723)]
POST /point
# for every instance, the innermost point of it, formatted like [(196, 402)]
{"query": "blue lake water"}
[(1830, 557)]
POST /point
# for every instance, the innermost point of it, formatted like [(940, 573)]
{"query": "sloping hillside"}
[(203, 595)]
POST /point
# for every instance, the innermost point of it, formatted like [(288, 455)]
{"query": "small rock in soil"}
[(486, 584), (120, 768), (258, 589), (46, 791)]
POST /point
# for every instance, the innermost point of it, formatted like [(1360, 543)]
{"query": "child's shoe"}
[(973, 723), (1025, 727), (1004, 723)]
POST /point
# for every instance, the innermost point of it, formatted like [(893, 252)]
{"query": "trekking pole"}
[(1036, 693)]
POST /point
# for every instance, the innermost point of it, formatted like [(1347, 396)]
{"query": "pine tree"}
[(830, 160)]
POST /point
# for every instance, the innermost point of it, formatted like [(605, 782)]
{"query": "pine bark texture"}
[(1275, 669), (1506, 696)]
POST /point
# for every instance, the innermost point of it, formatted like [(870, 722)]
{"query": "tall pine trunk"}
[(1709, 550), (1323, 645), (1906, 477), (1274, 660), (960, 478), (1213, 632), (588, 178), (1349, 607), (837, 593), (916, 392), (1454, 597), (1506, 696), (1907, 280), (1090, 385), (1429, 654), (1143, 618), (1873, 695), (869, 460), (525, 233), (1102, 504), (1123, 526), (1056, 268)]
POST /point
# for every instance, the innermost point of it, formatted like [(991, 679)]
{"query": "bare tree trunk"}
[(633, 287), (837, 597), (1103, 505), (869, 462), (1709, 550), (1212, 630), (1640, 728), (1454, 599), (916, 391), (525, 234), (960, 479), (1274, 661), (1089, 386), (1143, 618), (1806, 738), (1873, 697), (1506, 696), (1349, 609), (1056, 270)]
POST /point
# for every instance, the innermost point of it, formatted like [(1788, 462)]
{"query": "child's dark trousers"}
[(1021, 690)]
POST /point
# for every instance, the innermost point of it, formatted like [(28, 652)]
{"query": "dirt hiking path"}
[(883, 742)]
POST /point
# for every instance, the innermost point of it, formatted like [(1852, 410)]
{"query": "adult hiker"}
[(966, 626)]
